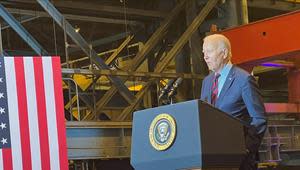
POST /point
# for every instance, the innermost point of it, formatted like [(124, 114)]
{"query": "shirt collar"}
[(226, 69)]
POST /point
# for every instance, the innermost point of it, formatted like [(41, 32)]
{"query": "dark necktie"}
[(214, 89)]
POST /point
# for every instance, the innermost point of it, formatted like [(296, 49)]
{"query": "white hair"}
[(221, 41)]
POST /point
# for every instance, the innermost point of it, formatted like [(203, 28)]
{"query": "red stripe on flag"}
[(23, 113), (7, 159), (41, 109), (59, 104)]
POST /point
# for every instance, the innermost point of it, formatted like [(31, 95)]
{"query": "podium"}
[(186, 135)]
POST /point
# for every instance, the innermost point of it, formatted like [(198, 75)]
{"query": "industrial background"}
[(117, 55)]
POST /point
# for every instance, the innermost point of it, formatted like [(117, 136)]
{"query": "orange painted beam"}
[(273, 38), (282, 108)]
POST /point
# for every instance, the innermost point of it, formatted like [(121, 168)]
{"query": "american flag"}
[(32, 127)]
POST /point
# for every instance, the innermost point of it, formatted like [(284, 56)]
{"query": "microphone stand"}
[(171, 95), (165, 100), (169, 91), (173, 91)]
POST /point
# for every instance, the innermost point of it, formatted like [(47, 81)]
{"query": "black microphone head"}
[(172, 91), (178, 82), (166, 89), (170, 83)]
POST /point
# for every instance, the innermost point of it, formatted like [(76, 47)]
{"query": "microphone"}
[(166, 89), (172, 91)]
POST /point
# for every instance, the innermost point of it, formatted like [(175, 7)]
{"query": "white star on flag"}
[(1, 95), (3, 125), (2, 110), (1, 80), (4, 141)]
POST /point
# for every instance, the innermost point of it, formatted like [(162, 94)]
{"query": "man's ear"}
[(225, 53)]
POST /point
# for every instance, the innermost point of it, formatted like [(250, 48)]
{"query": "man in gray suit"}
[(234, 91)]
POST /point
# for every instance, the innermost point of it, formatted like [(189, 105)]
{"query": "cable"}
[(125, 22)]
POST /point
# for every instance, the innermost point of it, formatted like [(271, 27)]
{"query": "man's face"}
[(213, 56)]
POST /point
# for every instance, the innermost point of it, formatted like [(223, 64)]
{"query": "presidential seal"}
[(162, 132)]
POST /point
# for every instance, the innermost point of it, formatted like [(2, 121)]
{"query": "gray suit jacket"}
[(239, 97)]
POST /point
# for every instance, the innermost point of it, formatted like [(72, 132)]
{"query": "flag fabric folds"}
[(32, 127)]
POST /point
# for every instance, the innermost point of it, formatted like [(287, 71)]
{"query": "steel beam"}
[(108, 62), (269, 39), (282, 108), (275, 5), (101, 54), (74, 17), (115, 53), (186, 35), (172, 53), (78, 39), (98, 124), (293, 85), (105, 40), (157, 36), (94, 140), (113, 56), (101, 8), (131, 74), (22, 20), (25, 35), (233, 13), (84, 98), (135, 104), (111, 9), (197, 60), (141, 55)]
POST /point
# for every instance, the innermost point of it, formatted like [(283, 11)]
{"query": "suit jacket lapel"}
[(228, 82)]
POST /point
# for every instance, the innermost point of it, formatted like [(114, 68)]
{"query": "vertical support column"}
[(195, 44), (236, 12), (182, 59), (68, 66), (273, 144), (293, 85), (244, 12)]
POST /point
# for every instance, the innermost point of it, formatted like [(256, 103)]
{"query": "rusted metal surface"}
[(269, 39)]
